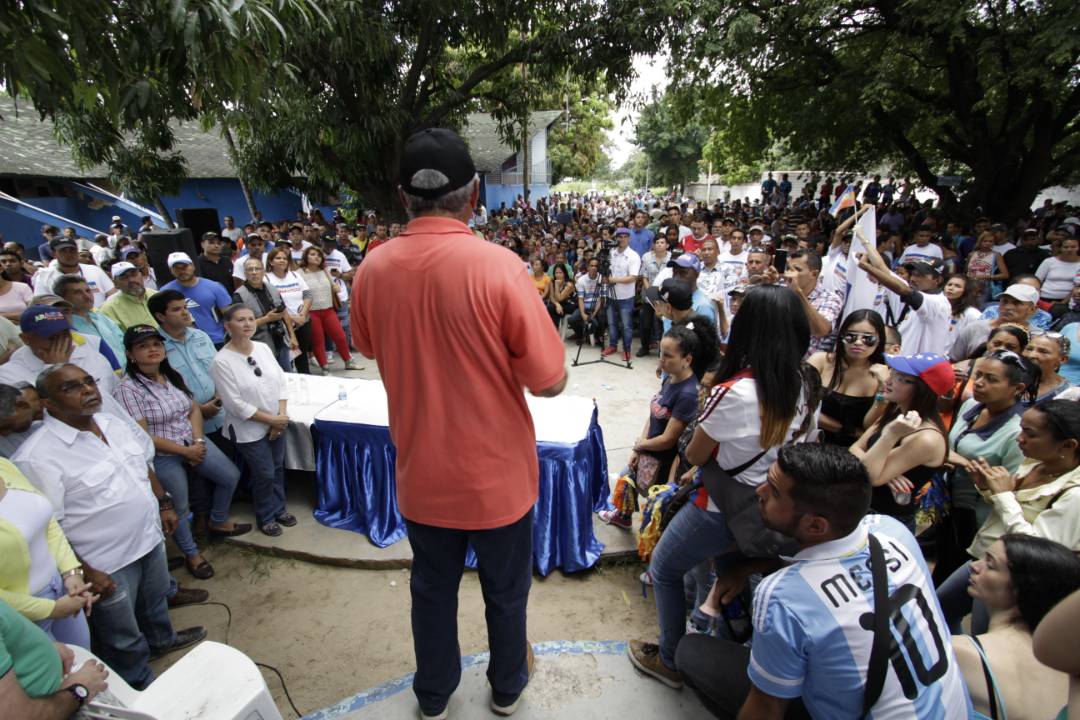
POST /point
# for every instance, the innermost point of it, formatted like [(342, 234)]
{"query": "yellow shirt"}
[(15, 554)]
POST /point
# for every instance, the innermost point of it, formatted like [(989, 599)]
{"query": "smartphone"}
[(780, 261), (280, 308)]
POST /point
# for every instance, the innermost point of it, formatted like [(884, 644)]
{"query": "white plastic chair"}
[(212, 681)]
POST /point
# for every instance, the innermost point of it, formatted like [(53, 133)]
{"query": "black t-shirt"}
[(1021, 261), (675, 400), (220, 272)]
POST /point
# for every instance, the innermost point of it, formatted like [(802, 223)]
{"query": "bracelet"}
[(73, 571), (200, 441)]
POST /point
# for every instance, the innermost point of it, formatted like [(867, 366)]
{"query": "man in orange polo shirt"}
[(458, 330)]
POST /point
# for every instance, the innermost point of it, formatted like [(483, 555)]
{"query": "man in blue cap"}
[(686, 267), (625, 268)]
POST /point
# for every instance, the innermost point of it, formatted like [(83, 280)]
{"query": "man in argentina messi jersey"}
[(814, 619)]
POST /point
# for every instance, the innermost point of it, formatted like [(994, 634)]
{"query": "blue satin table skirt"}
[(354, 465)]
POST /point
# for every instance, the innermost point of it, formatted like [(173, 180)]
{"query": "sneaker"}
[(509, 709), (626, 356), (188, 596), (319, 370), (612, 517), (609, 350), (437, 716), (184, 638), (646, 658), (353, 365), (329, 356), (645, 578)]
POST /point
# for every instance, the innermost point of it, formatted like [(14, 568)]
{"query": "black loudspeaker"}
[(199, 221), (160, 243)]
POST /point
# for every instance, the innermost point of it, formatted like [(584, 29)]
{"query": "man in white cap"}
[(1016, 305), (205, 298), (128, 307)]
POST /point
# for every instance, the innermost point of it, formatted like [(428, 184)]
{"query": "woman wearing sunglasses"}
[(903, 449), (252, 389), (851, 376), (986, 427)]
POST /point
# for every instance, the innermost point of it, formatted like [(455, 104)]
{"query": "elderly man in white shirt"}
[(112, 510), (47, 337)]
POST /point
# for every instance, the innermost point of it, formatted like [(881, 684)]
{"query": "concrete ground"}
[(332, 615)]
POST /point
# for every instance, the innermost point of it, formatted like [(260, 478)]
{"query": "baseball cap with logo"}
[(62, 242), (43, 321), (1023, 293), (686, 260), (138, 333), (441, 151), (178, 258), (120, 268), (934, 370)]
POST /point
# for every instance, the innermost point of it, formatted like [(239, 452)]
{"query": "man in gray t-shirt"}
[(1016, 305)]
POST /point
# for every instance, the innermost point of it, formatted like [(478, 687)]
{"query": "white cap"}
[(116, 218), (1073, 220), (120, 268), (178, 257), (758, 228), (1023, 293)]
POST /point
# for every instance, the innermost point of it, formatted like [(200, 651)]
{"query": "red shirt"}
[(374, 243), (457, 329), (691, 244)]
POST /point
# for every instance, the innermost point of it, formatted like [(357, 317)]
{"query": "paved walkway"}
[(572, 680)]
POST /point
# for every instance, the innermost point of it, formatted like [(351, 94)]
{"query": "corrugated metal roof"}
[(488, 151), (29, 147)]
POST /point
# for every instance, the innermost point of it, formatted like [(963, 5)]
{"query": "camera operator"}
[(588, 320), (624, 265)]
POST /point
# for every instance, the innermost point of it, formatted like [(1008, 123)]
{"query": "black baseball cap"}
[(674, 292), (139, 333), (440, 150), (919, 267), (62, 242)]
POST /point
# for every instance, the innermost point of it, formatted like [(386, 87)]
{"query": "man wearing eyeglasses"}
[(113, 511)]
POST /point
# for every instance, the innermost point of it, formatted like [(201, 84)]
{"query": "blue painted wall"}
[(496, 194), (223, 194)]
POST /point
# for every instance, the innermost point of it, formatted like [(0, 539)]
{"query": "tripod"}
[(607, 294)]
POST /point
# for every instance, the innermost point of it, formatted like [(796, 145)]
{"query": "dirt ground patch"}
[(333, 632)]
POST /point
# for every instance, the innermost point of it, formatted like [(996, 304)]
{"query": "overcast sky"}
[(650, 72)]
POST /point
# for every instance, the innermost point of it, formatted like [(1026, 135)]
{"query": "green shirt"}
[(26, 648), (127, 311), (995, 442)]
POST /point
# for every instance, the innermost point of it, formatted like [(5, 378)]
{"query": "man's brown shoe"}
[(646, 658), (188, 596)]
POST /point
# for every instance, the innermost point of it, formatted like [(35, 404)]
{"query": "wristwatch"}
[(80, 692), (165, 502)]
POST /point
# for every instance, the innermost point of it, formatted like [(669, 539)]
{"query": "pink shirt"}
[(458, 330)]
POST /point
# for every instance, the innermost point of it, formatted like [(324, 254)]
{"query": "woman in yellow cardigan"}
[(40, 576)]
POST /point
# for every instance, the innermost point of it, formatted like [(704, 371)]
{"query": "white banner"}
[(862, 289)]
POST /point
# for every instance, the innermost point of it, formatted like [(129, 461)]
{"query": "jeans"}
[(215, 469), (693, 536), (956, 603), (625, 310), (265, 461), (71, 630), (283, 355), (577, 324), (650, 326), (954, 536), (134, 620), (504, 564), (343, 319), (715, 670)]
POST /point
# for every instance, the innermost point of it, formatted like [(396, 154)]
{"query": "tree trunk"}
[(248, 198), (163, 212)]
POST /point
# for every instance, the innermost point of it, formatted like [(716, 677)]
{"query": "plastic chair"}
[(212, 681)]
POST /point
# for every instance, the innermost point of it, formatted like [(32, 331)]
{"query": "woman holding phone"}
[(272, 321)]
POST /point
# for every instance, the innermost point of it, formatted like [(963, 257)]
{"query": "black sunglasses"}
[(254, 366), (865, 338)]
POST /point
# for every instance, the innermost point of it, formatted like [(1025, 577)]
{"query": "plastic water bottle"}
[(902, 498), (342, 396)]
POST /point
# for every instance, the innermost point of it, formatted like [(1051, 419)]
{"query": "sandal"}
[(271, 528), (203, 571), (287, 519)]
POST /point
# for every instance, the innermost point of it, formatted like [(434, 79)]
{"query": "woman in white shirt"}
[(1058, 273), (296, 295), (252, 389)]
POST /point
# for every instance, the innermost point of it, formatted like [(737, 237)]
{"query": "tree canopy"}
[(671, 135), (317, 94), (985, 89)]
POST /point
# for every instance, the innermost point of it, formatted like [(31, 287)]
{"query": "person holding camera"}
[(273, 325), (624, 267), (588, 320)]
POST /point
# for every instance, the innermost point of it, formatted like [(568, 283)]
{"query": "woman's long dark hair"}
[(840, 361), (770, 335), (136, 374), (1043, 573), (969, 298), (924, 401), (1020, 371)]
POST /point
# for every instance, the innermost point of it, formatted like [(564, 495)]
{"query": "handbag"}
[(739, 503), (648, 466)]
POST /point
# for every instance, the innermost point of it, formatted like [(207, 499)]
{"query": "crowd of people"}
[(793, 448)]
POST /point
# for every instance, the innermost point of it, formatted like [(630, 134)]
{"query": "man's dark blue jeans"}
[(504, 564)]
